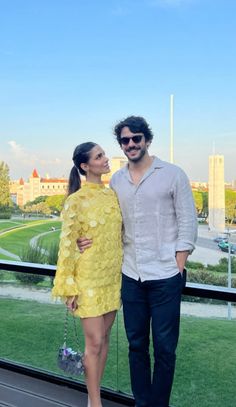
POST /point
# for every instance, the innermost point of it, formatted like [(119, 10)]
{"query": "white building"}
[(216, 193)]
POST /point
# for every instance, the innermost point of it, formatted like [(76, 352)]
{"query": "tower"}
[(34, 183), (216, 193), (172, 128)]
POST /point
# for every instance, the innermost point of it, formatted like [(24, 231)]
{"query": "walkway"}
[(18, 390), (187, 308)]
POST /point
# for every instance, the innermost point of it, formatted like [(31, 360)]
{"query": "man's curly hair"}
[(136, 124)]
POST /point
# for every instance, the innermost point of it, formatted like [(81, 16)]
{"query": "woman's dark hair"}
[(136, 124), (81, 155)]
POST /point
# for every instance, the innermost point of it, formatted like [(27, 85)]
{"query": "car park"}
[(224, 246), (219, 239)]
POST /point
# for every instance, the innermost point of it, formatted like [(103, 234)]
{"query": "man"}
[(160, 229)]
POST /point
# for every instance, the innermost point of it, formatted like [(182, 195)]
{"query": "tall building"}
[(216, 193), (234, 184), (116, 163), (23, 192)]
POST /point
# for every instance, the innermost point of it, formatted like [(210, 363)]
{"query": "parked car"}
[(219, 239), (224, 246)]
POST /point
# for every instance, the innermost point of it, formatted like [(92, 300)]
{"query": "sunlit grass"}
[(9, 224), (16, 240), (205, 371)]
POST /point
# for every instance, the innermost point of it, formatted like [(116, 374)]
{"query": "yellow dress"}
[(95, 275)]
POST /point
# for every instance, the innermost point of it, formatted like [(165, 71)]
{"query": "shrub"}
[(52, 255), (222, 266), (5, 215), (31, 254), (206, 277), (194, 265)]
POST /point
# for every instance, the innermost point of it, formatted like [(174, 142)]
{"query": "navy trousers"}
[(154, 303)]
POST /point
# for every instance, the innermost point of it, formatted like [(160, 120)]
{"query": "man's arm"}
[(186, 217), (181, 258)]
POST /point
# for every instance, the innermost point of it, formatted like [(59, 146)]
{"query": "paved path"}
[(187, 308), (9, 254), (33, 243), (207, 256), (207, 251)]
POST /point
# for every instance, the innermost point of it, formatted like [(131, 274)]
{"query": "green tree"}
[(230, 204), (5, 200), (55, 202), (37, 200), (46, 204), (197, 196), (205, 202), (40, 207)]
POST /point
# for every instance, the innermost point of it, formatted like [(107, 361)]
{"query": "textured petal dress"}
[(95, 275)]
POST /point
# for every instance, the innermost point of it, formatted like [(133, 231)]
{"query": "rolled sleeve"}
[(185, 214)]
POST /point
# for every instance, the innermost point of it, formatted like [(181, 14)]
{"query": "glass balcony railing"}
[(32, 330)]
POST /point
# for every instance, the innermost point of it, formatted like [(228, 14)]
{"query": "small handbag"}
[(68, 360)]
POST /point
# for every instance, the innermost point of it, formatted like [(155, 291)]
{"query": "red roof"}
[(58, 180), (35, 174), (21, 182)]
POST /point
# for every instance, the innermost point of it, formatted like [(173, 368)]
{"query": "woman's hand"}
[(71, 303)]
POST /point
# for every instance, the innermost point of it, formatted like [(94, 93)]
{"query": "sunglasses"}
[(135, 139)]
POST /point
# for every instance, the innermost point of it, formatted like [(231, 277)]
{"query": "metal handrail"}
[(191, 289)]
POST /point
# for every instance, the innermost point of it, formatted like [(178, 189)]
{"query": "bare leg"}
[(94, 333), (108, 322), (97, 332)]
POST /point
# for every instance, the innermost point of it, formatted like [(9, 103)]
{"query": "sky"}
[(71, 69)]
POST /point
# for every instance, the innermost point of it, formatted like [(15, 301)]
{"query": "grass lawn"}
[(4, 225), (205, 373), (16, 240), (4, 257), (47, 240)]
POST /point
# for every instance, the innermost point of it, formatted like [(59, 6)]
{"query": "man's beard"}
[(139, 157)]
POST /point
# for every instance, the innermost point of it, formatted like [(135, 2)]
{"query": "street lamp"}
[(229, 233)]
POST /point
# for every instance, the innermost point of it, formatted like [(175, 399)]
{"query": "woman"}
[(90, 282)]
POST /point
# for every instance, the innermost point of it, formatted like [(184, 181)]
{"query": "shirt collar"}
[(157, 163)]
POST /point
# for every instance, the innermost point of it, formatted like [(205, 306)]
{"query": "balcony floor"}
[(18, 390)]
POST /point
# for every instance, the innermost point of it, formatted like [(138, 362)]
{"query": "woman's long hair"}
[(81, 156)]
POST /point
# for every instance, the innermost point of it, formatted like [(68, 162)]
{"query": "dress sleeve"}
[(68, 255)]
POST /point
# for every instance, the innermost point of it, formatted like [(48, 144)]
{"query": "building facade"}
[(23, 192), (216, 193)]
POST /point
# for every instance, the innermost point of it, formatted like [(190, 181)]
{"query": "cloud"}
[(125, 8), (50, 161), (6, 53), (30, 159), (16, 148), (170, 3), (120, 11)]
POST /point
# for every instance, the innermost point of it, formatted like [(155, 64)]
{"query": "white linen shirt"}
[(159, 219)]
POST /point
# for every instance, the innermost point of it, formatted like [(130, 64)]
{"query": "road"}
[(207, 251)]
